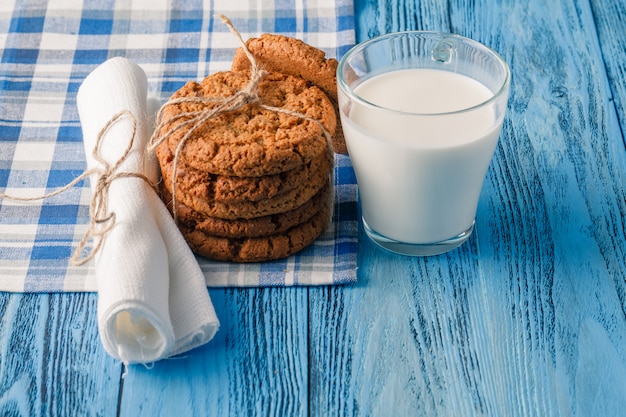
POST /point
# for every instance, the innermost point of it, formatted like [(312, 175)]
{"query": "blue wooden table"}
[(528, 318)]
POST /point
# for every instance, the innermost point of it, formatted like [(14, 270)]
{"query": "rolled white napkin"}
[(152, 297)]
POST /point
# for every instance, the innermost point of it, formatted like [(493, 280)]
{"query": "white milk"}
[(420, 175)]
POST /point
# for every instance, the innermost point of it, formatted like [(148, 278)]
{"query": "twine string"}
[(101, 220), (215, 107)]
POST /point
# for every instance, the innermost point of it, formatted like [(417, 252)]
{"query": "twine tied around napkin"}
[(241, 98), (101, 220), (152, 297)]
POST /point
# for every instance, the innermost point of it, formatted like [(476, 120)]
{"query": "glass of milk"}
[(421, 113)]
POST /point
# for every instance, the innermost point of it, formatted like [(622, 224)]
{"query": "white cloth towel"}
[(152, 297)]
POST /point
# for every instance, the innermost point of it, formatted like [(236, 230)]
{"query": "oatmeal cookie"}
[(251, 140), (294, 57)]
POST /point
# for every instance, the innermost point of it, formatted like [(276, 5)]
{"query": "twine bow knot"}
[(101, 219), (195, 119)]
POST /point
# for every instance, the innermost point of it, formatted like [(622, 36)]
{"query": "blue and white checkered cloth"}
[(49, 48)]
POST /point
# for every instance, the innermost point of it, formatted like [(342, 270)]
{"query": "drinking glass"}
[(421, 113)]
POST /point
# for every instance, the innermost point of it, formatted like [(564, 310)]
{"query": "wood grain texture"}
[(529, 318), (377, 17), (388, 346), (51, 360), (609, 19), (255, 366)]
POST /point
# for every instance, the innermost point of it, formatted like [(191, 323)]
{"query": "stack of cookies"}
[(251, 184)]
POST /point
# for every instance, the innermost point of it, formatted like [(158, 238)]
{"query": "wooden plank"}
[(528, 319), (402, 333), (610, 21), (51, 360), (256, 365), (388, 345), (377, 17), (560, 214)]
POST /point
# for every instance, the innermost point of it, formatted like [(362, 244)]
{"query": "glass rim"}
[(442, 35)]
